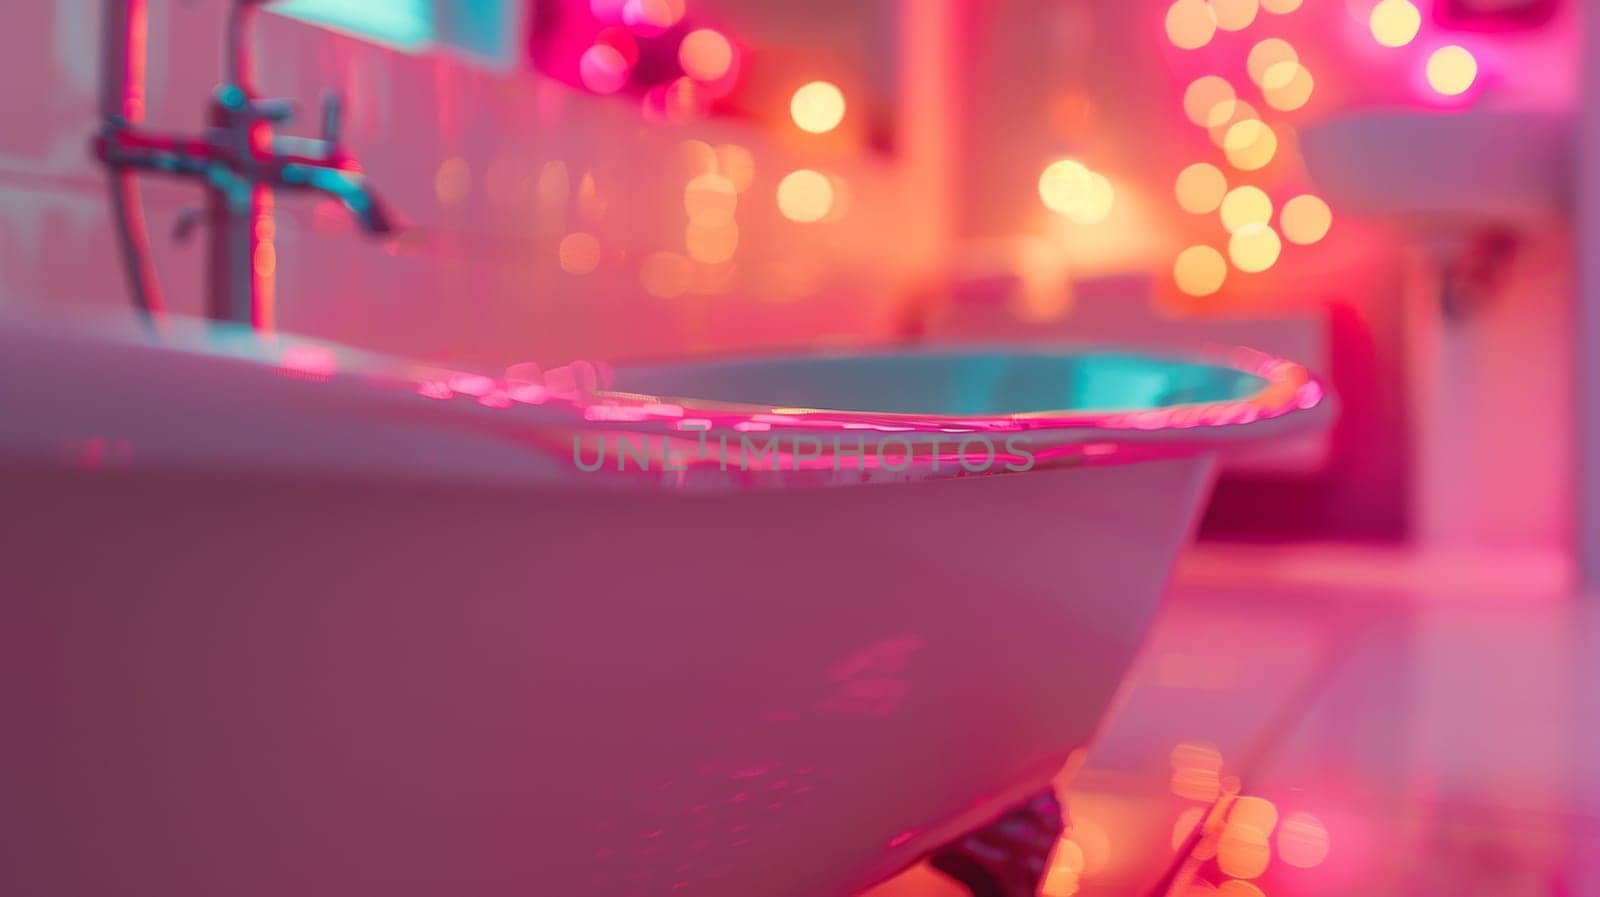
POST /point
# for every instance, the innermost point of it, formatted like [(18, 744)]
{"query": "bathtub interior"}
[(949, 383)]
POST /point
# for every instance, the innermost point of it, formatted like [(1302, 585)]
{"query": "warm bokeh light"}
[(1062, 183), (1305, 219), (1209, 101), (1451, 70), (1238, 111), (1190, 24), (698, 157), (1266, 54), (1185, 825), (1243, 852), (1196, 766), (711, 241), (1096, 207), (1288, 86), (603, 69), (817, 107), (685, 99), (1394, 23), (1250, 145), (1200, 188), (1065, 874), (1281, 7), (805, 196), (1256, 812), (666, 274), (1195, 755), (705, 55), (1234, 887), (652, 17), (710, 198), (453, 181), (1302, 841), (1235, 15), (841, 198), (590, 206), (1042, 292), (1244, 206), (737, 164), (1196, 783), (1069, 188), (1200, 270), (1095, 842), (579, 253), (554, 186), (1254, 248)]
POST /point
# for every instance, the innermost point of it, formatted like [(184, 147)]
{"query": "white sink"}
[(1443, 170)]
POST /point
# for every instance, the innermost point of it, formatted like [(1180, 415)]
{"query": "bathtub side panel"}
[(259, 687)]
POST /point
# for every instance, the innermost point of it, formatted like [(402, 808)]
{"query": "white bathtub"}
[(272, 622)]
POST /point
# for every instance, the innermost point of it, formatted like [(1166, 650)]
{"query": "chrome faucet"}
[(238, 159)]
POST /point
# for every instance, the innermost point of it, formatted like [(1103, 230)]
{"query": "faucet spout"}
[(349, 188), (238, 160)]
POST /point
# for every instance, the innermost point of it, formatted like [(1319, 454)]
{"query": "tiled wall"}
[(477, 279)]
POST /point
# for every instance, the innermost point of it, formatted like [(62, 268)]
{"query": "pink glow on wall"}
[(1495, 15), (648, 48)]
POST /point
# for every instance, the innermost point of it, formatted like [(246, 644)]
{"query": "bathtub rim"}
[(498, 422), (1288, 390)]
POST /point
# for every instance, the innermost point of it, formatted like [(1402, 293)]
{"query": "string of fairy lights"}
[(681, 72), (1451, 70), (1248, 144), (1236, 187), (719, 176)]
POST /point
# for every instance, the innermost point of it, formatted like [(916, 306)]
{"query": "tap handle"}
[(273, 110), (332, 118)]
